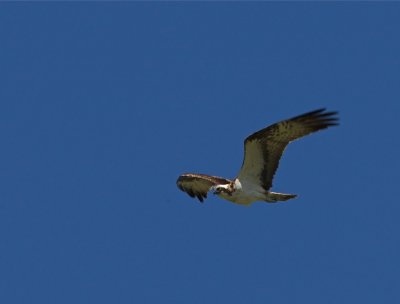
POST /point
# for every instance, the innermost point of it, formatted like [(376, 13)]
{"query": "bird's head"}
[(223, 189)]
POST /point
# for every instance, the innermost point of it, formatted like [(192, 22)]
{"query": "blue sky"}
[(103, 105)]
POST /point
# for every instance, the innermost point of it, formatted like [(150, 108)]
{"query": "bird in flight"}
[(262, 152)]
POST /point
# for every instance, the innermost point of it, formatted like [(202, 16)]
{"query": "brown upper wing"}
[(197, 185), (263, 149)]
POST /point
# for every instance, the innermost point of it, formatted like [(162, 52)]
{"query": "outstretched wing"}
[(197, 185), (263, 149)]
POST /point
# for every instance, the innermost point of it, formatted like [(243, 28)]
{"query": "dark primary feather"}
[(264, 148), (197, 185)]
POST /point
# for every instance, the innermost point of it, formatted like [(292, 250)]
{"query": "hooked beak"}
[(217, 191)]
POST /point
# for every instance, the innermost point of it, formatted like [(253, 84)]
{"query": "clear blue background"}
[(103, 105)]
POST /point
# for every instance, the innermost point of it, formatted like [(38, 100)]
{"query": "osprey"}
[(262, 152)]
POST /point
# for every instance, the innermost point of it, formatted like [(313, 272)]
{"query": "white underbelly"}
[(243, 197)]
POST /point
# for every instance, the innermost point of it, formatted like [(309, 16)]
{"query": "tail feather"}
[(273, 197)]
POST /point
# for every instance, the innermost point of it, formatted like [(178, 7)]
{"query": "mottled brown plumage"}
[(197, 185), (266, 146), (262, 152)]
